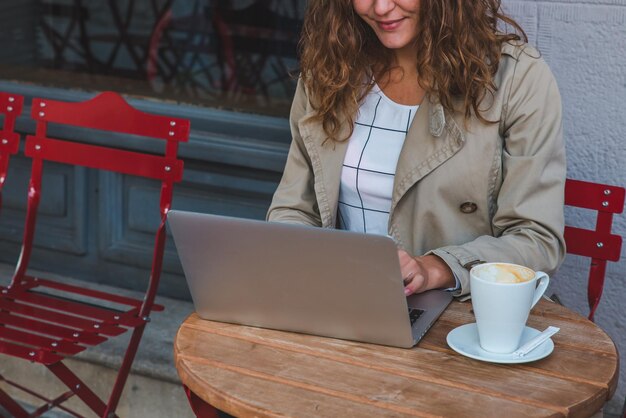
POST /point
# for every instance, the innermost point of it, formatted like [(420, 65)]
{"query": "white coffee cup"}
[(502, 296)]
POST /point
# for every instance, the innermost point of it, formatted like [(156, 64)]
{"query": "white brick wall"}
[(584, 42)]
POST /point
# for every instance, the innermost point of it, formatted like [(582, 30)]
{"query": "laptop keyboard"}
[(414, 314)]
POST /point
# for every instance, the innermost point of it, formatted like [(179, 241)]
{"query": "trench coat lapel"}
[(434, 136), (327, 162)]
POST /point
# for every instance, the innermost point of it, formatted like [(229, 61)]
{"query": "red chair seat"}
[(47, 325)]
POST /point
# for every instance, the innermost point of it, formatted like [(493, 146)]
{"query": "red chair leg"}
[(199, 407), (124, 371), (595, 285), (11, 406), (81, 390)]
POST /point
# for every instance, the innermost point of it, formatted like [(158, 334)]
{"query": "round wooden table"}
[(248, 371)]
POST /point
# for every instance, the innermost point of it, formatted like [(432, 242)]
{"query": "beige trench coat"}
[(465, 191)]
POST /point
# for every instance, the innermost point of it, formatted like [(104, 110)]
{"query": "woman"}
[(421, 120)]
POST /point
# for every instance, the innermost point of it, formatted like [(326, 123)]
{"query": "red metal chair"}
[(11, 108), (36, 322), (599, 244)]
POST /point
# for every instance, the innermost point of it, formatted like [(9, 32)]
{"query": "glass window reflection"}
[(232, 54)]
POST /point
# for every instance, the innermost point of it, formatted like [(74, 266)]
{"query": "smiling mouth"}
[(389, 25)]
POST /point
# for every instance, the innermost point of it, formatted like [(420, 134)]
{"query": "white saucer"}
[(464, 340)]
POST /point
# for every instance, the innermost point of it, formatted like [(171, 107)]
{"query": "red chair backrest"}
[(599, 244), (107, 112), (11, 107)]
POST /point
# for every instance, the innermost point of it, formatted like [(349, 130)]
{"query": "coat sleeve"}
[(294, 200), (528, 223)]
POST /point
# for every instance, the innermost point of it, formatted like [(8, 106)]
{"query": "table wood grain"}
[(249, 371)]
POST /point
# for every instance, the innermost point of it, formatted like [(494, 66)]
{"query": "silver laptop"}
[(296, 278)]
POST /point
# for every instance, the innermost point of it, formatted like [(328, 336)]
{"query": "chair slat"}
[(40, 356), (47, 328), (103, 158), (601, 197), (110, 112), (38, 341), (593, 244), (76, 308), (89, 292), (58, 317)]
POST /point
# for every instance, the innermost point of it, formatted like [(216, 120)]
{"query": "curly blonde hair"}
[(460, 49)]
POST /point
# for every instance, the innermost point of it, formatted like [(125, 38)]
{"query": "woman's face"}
[(395, 22)]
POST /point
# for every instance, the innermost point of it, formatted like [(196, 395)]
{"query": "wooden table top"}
[(249, 371)]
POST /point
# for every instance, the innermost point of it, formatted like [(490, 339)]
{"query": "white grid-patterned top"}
[(370, 163)]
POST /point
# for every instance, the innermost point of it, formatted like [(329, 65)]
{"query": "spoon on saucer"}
[(536, 341)]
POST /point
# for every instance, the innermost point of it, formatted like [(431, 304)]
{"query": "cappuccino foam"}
[(505, 273)]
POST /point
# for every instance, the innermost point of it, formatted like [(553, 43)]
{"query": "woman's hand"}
[(424, 273)]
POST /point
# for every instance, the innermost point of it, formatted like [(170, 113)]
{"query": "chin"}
[(392, 43)]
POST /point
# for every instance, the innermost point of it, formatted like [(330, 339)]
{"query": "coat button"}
[(468, 207)]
